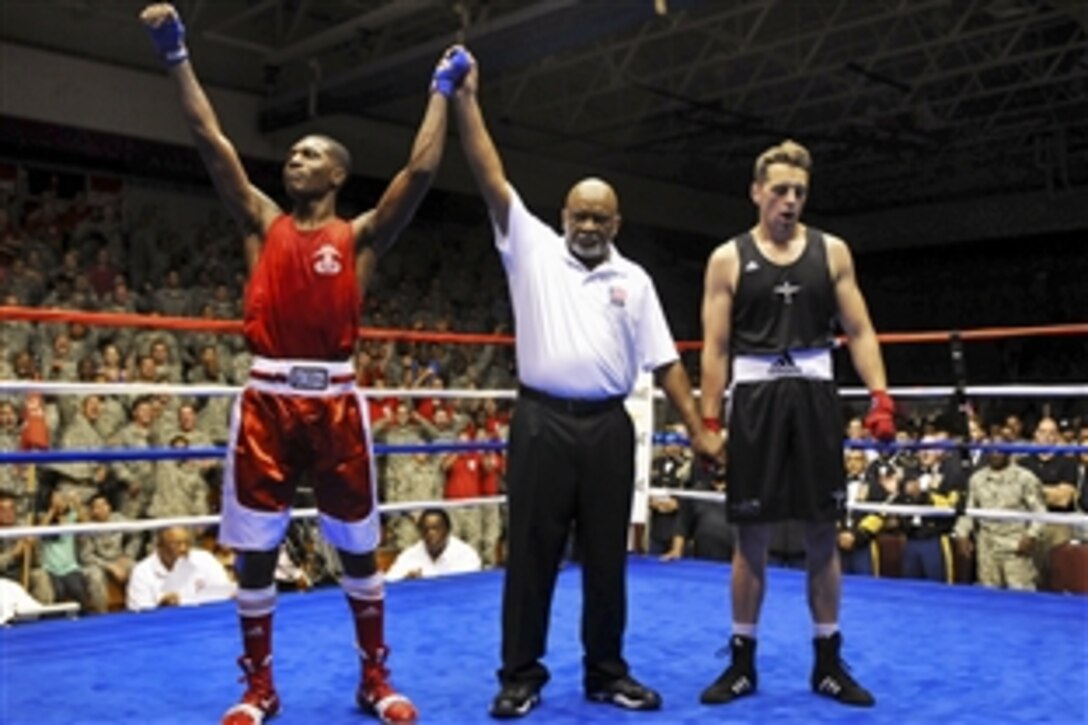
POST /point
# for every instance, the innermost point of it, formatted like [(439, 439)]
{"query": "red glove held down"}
[(881, 418)]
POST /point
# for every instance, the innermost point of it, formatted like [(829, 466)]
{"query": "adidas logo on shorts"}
[(784, 366)]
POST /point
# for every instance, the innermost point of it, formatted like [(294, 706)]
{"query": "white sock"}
[(744, 630), (368, 589), (823, 631), (256, 602)]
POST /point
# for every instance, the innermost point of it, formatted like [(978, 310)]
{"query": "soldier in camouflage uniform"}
[(403, 428), (120, 300), (58, 361), (14, 551), (180, 489), (143, 344), (82, 339), (82, 477), (137, 477), (170, 297), (186, 423), (12, 554), (111, 415), (419, 479), (167, 360), (164, 415), (107, 556), (240, 364), (16, 335), (1005, 548), (214, 416), (194, 343), (13, 479)]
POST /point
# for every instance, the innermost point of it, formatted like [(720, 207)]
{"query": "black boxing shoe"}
[(831, 677), (625, 692), (739, 679)]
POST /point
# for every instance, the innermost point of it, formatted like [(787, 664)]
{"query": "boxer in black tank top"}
[(771, 300)]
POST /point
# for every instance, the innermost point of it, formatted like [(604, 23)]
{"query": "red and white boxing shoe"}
[(260, 701), (376, 695)]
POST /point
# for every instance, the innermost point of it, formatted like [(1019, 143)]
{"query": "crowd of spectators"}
[(63, 247), (953, 547), (60, 251)]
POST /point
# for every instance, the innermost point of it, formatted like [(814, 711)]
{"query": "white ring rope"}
[(1079, 390), (56, 388), (943, 391), (1049, 517), (16, 532), (1071, 519), (212, 391), (207, 390)]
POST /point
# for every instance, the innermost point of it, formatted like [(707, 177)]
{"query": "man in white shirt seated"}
[(15, 601), (175, 574), (437, 553)]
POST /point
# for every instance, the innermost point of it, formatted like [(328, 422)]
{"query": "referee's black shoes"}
[(515, 699), (625, 692)]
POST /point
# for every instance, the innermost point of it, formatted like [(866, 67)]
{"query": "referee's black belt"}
[(571, 406)]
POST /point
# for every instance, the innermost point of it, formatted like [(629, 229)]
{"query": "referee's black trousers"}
[(567, 468)]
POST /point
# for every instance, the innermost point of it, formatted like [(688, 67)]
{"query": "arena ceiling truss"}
[(902, 101)]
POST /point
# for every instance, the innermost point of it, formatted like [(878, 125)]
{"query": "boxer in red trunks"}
[(300, 413)]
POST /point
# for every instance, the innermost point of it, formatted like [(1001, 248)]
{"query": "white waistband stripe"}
[(268, 366), (811, 364)]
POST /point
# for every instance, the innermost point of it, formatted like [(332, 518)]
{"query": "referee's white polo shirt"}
[(580, 333)]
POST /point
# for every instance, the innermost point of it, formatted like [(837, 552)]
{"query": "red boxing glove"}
[(881, 418)]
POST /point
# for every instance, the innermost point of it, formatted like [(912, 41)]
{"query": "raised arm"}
[(718, 289), (377, 229), (253, 210), (480, 152)]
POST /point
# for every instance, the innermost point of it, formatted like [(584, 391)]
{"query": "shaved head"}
[(593, 190), (337, 151), (316, 165), (591, 220)]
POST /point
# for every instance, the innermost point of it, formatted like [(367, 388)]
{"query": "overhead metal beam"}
[(224, 39), (296, 21), (250, 12), (388, 13), (513, 40)]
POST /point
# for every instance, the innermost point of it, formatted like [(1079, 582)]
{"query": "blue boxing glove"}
[(451, 69), (169, 38)]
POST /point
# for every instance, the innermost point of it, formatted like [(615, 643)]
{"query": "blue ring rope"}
[(676, 439), (111, 455)]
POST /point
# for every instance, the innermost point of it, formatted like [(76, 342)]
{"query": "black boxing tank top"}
[(783, 307)]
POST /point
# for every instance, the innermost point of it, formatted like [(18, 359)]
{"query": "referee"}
[(588, 320)]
